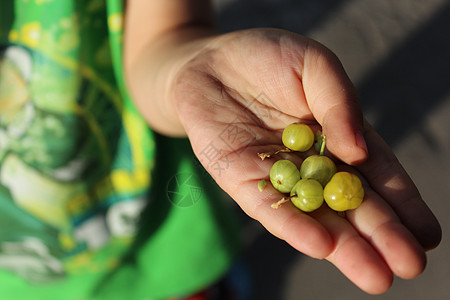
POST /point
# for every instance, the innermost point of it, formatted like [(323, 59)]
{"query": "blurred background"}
[(397, 53)]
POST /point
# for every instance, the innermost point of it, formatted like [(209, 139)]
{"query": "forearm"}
[(160, 37)]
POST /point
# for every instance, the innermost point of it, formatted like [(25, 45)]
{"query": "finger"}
[(334, 103), (354, 256), (379, 225), (376, 221), (388, 179), (287, 222)]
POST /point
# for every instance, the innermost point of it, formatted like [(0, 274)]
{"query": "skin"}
[(188, 81)]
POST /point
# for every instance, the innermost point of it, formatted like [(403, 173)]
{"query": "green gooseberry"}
[(284, 174), (307, 195), (318, 167), (298, 137), (344, 192)]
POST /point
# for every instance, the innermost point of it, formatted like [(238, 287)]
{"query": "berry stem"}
[(341, 214), (322, 147), (272, 153), (281, 202)]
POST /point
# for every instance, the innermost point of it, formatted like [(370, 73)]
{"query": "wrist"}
[(151, 73)]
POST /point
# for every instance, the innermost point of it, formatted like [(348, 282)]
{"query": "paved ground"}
[(397, 52)]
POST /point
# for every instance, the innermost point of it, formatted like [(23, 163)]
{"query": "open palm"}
[(235, 97)]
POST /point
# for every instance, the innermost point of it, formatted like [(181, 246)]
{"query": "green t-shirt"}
[(93, 204)]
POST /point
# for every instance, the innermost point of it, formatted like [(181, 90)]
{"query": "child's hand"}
[(234, 98), (233, 94)]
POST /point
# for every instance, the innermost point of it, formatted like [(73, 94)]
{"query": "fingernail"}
[(361, 142)]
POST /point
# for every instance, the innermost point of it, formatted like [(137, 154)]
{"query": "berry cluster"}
[(316, 180)]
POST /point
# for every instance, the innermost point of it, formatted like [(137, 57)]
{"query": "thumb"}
[(333, 101)]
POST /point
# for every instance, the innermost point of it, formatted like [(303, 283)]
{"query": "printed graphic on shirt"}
[(73, 175)]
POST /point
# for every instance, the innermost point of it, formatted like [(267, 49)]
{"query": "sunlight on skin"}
[(213, 83)]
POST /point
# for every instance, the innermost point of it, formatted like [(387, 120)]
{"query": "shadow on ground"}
[(411, 82)]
